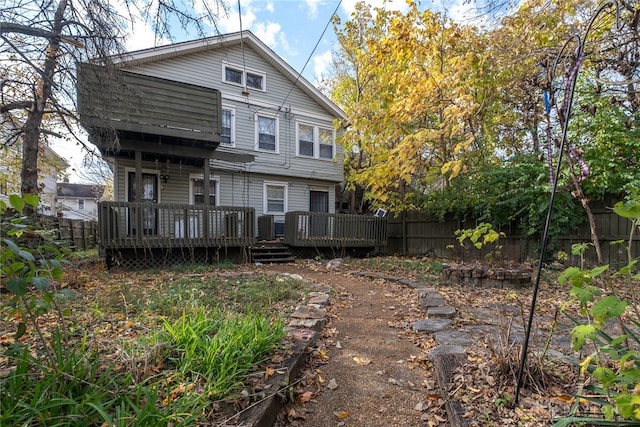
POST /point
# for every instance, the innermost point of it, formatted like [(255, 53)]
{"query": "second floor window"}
[(267, 133), (315, 141), (80, 204), (228, 126)]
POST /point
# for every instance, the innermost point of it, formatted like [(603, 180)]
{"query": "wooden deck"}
[(125, 225), (320, 229), (142, 235)]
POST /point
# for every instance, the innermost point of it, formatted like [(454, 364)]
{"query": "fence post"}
[(404, 233)]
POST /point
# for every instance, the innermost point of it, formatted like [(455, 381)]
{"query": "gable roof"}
[(143, 56), (90, 191)]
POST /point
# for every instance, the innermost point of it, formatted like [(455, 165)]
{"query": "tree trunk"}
[(578, 193), (32, 127)]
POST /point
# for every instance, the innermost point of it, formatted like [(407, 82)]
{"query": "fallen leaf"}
[(362, 361), (565, 398), (268, 372), (305, 397), (439, 418), (342, 415)]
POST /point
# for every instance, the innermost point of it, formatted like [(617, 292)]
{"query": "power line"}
[(310, 55), (244, 65)]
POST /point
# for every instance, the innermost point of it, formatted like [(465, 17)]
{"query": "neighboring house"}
[(50, 166), (78, 201), (218, 134)]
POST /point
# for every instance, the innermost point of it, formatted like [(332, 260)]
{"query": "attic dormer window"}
[(239, 76)]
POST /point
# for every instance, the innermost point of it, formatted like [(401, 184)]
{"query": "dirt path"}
[(369, 369)]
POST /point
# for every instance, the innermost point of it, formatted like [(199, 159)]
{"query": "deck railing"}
[(321, 229), (168, 225)]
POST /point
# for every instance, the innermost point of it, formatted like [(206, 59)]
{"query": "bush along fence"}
[(416, 234)]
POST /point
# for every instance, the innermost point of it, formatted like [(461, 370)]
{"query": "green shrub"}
[(608, 326)]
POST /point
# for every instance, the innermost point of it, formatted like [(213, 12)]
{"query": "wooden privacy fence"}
[(80, 235), (416, 234)]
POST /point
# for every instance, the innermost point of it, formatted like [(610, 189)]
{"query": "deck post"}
[(207, 198), (138, 198)]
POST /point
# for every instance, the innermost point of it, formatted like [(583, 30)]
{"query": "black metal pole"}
[(566, 109)]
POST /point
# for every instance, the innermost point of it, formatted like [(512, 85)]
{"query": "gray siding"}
[(282, 100), (239, 188)]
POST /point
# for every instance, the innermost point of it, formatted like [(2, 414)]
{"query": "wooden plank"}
[(127, 101)]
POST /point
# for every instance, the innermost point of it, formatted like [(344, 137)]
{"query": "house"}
[(50, 166), (213, 142), (78, 201)]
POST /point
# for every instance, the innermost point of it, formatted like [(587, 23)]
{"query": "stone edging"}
[(309, 319), (303, 328)]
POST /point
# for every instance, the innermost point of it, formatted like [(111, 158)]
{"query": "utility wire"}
[(310, 55), (244, 65)]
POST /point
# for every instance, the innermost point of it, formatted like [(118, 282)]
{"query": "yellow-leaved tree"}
[(409, 85)]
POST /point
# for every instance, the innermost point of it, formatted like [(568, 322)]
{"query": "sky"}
[(299, 31), (292, 28)]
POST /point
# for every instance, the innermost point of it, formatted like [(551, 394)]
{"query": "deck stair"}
[(270, 252)]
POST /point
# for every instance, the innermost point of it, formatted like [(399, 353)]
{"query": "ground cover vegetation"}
[(84, 347), (582, 367)]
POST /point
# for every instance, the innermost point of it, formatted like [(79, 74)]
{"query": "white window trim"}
[(233, 125), (316, 141), (147, 171), (265, 204), (244, 71), (214, 178), (256, 134)]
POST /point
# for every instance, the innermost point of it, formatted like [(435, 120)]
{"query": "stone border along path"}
[(308, 320)]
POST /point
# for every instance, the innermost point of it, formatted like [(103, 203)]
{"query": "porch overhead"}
[(126, 112)]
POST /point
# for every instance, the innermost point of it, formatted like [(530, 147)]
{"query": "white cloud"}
[(313, 8), (270, 7), (268, 32), (141, 36), (321, 65)]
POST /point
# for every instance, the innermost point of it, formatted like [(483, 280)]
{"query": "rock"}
[(431, 325), (334, 263), (309, 312), (321, 299), (445, 311), (432, 300), (445, 349), (453, 337), (314, 324)]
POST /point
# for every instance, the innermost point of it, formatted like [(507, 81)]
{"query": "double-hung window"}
[(315, 141), (228, 136), (197, 191), (267, 133), (80, 204), (275, 197)]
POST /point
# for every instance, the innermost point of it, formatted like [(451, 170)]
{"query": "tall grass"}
[(221, 348)]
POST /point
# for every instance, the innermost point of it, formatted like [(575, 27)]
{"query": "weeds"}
[(221, 348)]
